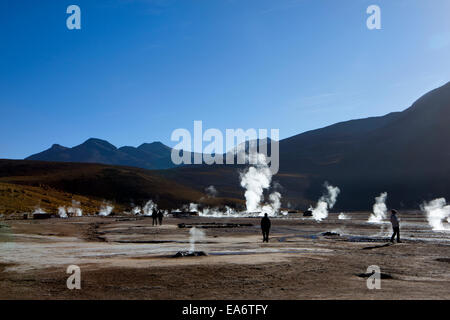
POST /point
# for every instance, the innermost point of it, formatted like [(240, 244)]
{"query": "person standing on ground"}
[(154, 218), (160, 216), (395, 226), (265, 227)]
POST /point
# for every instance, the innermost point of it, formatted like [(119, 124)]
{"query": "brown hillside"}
[(27, 184)]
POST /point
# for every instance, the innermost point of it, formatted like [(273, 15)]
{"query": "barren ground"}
[(128, 258)]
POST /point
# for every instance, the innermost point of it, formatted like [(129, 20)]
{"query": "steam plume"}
[(218, 213), (343, 216), (437, 212), (62, 212), (211, 191), (193, 207), (149, 207), (105, 210), (195, 235), (38, 210), (75, 209), (326, 202), (379, 209), (136, 211), (275, 204), (255, 180)]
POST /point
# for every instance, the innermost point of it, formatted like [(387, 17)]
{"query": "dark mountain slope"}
[(404, 153)]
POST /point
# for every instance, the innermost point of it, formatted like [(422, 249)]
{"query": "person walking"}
[(154, 218), (395, 226), (160, 217)]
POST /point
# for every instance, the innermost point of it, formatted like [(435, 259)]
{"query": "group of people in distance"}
[(265, 226), (157, 216)]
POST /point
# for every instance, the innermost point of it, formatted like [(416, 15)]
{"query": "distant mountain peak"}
[(95, 142), (154, 143), (153, 147), (58, 146)]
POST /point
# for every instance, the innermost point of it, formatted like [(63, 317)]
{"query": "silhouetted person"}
[(160, 216), (395, 226), (265, 227), (155, 218)]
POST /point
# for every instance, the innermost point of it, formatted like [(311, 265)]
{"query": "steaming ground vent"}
[(330, 234), (382, 275), (181, 254)]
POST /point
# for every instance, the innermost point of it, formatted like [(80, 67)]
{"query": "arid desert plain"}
[(125, 257)]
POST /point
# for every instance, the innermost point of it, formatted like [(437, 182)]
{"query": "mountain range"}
[(404, 153), (148, 155)]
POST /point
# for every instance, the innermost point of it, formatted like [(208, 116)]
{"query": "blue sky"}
[(138, 69)]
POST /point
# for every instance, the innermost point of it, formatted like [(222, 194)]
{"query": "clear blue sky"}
[(138, 69)]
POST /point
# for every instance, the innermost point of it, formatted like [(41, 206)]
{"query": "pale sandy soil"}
[(131, 259)]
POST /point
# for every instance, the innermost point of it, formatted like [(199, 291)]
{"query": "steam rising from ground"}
[(274, 206), (38, 210), (228, 212), (195, 235), (149, 207), (255, 180), (62, 212), (193, 207), (74, 210), (147, 210), (218, 213), (105, 210), (211, 191), (326, 202), (379, 209), (136, 210), (343, 216), (437, 212)]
